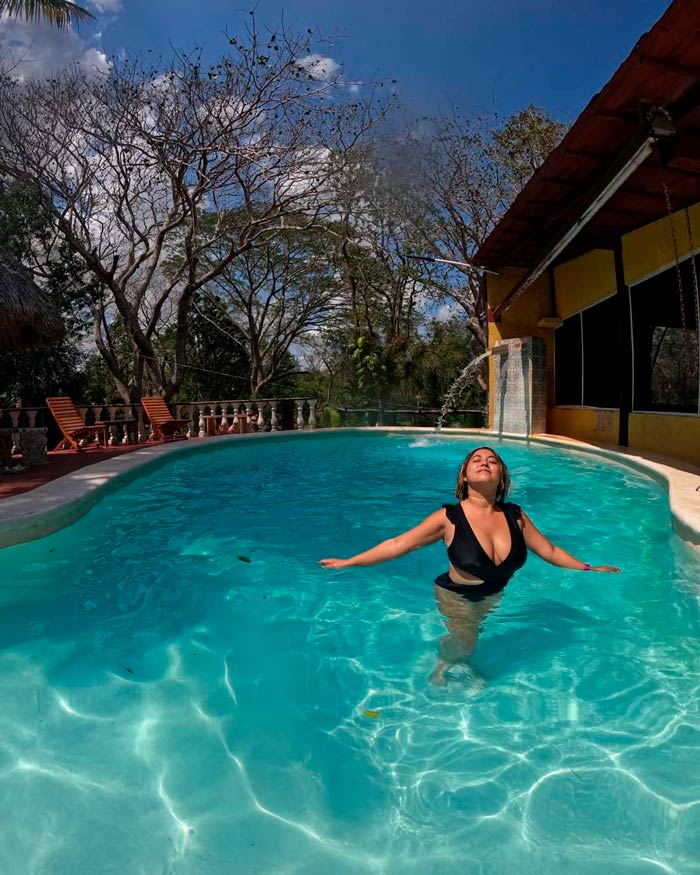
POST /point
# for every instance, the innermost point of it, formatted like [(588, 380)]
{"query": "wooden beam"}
[(667, 66), (687, 164)]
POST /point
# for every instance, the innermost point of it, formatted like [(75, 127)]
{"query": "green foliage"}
[(23, 218), (29, 376), (218, 365), (98, 383), (331, 418), (448, 349), (289, 383), (59, 13), (420, 373), (371, 367), (520, 144)]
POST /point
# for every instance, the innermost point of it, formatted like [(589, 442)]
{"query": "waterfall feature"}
[(519, 392), (457, 387)]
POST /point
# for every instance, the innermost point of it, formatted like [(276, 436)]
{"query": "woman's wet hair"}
[(462, 487)]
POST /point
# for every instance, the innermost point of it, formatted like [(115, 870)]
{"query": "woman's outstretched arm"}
[(548, 551), (432, 529)]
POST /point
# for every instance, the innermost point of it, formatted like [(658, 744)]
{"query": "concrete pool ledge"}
[(61, 502)]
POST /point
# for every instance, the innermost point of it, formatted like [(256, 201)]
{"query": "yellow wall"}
[(579, 283), (584, 281), (671, 435), (585, 423), (520, 320), (649, 249)]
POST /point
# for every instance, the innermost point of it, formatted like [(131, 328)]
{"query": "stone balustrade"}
[(29, 442), (25, 427)]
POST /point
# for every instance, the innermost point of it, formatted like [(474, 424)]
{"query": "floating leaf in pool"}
[(372, 714), (244, 559)]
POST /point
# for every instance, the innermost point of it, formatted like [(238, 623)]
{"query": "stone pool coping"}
[(62, 501)]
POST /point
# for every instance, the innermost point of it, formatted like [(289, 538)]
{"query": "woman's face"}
[(483, 467)]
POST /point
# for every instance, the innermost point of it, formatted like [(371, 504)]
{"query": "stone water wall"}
[(519, 394)]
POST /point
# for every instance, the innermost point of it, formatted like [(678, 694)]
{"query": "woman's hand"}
[(333, 563), (606, 569), (432, 529)]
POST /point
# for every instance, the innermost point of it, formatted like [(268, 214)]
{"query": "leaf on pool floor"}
[(244, 559), (372, 714)]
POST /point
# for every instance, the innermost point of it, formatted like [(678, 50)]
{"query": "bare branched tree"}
[(276, 296), (130, 162), (468, 173), (376, 231)]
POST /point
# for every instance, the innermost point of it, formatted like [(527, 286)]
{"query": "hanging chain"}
[(675, 254), (696, 292), (695, 274), (686, 355)]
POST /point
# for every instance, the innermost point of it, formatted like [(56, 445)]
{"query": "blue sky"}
[(471, 53), (477, 55)]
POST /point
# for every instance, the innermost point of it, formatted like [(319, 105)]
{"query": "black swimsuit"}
[(466, 554)]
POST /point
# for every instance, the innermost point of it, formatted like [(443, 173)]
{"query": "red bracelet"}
[(586, 567)]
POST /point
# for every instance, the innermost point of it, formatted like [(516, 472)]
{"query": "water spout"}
[(457, 388)]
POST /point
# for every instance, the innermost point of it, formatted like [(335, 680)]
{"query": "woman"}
[(487, 540)]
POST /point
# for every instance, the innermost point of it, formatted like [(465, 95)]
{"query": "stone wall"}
[(519, 393)]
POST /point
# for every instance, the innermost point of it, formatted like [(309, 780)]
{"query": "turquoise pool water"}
[(168, 707)]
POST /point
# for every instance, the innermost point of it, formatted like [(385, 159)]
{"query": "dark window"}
[(591, 377), (601, 354), (665, 333), (567, 362)]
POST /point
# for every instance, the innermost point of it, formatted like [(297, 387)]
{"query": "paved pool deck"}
[(61, 462)]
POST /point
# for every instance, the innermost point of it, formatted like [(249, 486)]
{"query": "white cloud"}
[(446, 312), (307, 176), (319, 67), (38, 49), (107, 5), (325, 69), (94, 59)]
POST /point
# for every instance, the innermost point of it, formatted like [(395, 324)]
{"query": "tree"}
[(438, 188), (375, 230), (59, 13), (520, 145), (447, 348), (468, 174), (270, 298), (218, 366), (26, 229), (130, 161)]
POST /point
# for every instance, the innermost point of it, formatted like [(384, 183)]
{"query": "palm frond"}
[(60, 13)]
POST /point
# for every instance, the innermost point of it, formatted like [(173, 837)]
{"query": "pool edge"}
[(62, 501)]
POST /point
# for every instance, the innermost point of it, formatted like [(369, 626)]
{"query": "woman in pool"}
[(487, 540)]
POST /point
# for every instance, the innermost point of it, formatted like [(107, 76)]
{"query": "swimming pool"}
[(186, 691)]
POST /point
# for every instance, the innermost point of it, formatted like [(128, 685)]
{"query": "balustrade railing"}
[(25, 429)]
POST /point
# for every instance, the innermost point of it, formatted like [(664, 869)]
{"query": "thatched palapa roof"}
[(27, 316)]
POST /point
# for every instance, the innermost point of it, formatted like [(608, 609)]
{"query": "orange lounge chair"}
[(162, 420), (71, 424)]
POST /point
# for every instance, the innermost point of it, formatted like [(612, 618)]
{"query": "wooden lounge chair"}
[(162, 420), (71, 424)]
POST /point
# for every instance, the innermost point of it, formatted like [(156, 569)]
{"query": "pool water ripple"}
[(186, 691)]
